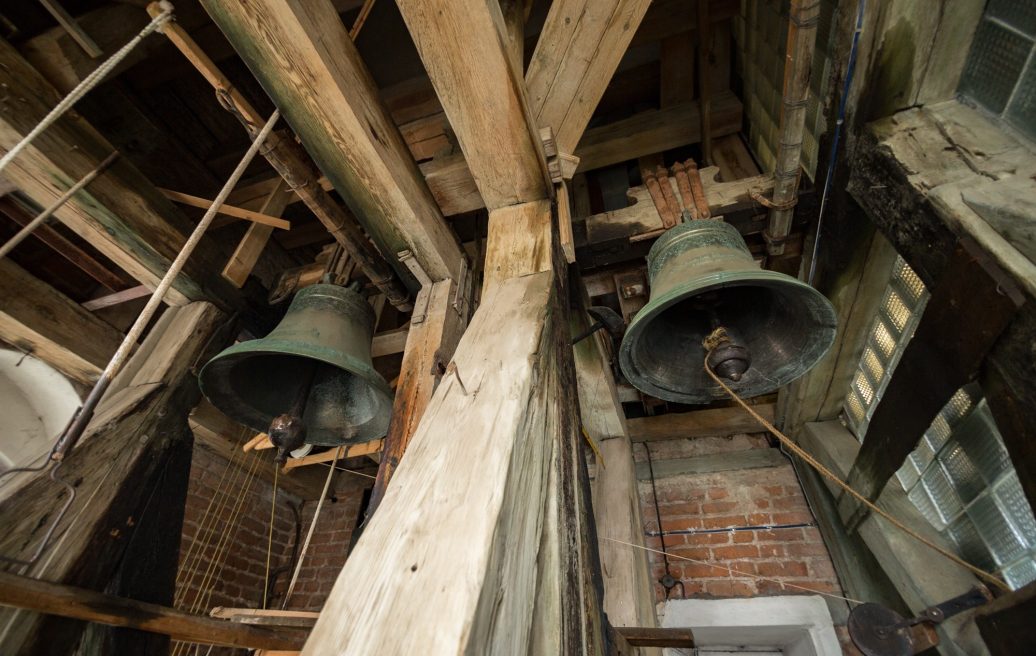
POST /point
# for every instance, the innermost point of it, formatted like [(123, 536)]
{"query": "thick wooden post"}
[(628, 593), (116, 470)]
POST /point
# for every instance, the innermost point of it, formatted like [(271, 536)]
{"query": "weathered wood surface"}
[(628, 593), (251, 246), (429, 347), (304, 58), (576, 55), (519, 242), (715, 462), (916, 200), (463, 45), (79, 603), (115, 468), (40, 320), (712, 422), (488, 434), (120, 213)]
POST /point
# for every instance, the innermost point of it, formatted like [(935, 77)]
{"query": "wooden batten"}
[(463, 45), (120, 213), (330, 100), (45, 323), (565, 82)]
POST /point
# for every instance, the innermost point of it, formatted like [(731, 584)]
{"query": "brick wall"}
[(240, 580), (698, 511)]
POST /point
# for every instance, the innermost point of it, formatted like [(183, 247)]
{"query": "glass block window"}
[(899, 311), (1000, 72), (961, 479)]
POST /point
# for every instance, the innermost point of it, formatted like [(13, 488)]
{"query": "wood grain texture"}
[(458, 535), (464, 47), (714, 422), (252, 243), (519, 242), (302, 55), (40, 320), (429, 347), (576, 54)]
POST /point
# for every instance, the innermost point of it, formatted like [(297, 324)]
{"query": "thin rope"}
[(738, 572), (269, 541), (309, 533), (88, 83), (31, 226), (361, 18), (800, 452)]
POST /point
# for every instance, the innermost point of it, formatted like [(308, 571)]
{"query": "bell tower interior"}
[(597, 327)]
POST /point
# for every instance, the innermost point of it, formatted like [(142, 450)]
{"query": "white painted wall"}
[(794, 625), (36, 403)]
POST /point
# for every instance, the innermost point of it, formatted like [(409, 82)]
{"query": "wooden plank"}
[(519, 242), (38, 319), (116, 467), (430, 344), (330, 99), (118, 298), (575, 57), (968, 310), (228, 210), (714, 422), (677, 63), (714, 462), (251, 246), (83, 604), (656, 130), (628, 593), (463, 46), (120, 213), (340, 453), (87, 263), (390, 342), (650, 636)]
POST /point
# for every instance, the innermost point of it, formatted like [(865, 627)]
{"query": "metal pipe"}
[(42, 217), (802, 37)]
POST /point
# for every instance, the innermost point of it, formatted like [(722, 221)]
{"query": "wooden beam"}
[(576, 55), (330, 99), (63, 247), (40, 320), (656, 130), (651, 636), (518, 243), (118, 298), (714, 422), (251, 246), (228, 210), (216, 432), (1006, 623), (629, 597), (430, 344), (340, 453), (969, 308), (120, 213), (463, 45), (714, 462), (83, 604), (115, 469)]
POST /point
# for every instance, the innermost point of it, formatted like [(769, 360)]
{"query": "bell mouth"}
[(786, 325), (252, 387)]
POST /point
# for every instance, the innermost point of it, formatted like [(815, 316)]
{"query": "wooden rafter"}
[(330, 99)]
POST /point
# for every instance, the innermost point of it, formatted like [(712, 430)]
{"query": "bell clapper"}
[(722, 355), (287, 431)]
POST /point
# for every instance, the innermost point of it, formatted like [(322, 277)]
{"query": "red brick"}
[(724, 522), (774, 490), (762, 503), (799, 517), (783, 569), (716, 507), (681, 523), (717, 493), (736, 551), (806, 549), (771, 550), (682, 508), (698, 539), (789, 503), (703, 571), (743, 537), (730, 588)]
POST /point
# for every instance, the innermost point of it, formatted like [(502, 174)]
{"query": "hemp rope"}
[(812, 462), (312, 526), (88, 83), (269, 541)]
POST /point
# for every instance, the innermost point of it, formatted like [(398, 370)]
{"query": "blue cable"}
[(838, 133)]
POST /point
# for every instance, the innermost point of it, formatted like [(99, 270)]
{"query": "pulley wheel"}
[(879, 631)]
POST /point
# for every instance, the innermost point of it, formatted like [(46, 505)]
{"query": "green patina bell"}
[(703, 278), (316, 363)]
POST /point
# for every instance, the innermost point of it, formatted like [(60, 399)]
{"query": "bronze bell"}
[(767, 329), (311, 380)]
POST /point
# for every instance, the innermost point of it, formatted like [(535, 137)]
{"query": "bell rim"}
[(713, 281)]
